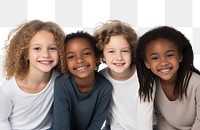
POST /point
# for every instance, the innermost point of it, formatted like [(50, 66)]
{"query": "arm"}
[(196, 125), (145, 115), (102, 110), (106, 125), (61, 116), (5, 111)]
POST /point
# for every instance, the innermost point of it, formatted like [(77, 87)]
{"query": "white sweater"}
[(23, 111), (127, 112)]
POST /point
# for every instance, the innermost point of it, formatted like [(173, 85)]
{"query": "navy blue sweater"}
[(76, 111)]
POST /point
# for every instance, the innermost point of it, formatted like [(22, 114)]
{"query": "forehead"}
[(161, 45), (78, 44), (117, 41), (43, 37)]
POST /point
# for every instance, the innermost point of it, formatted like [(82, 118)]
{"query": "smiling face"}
[(42, 52), (163, 58), (80, 58), (117, 55)]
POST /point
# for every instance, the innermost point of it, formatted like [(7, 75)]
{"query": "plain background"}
[(74, 15)]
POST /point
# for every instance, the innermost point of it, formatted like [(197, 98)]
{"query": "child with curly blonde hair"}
[(34, 58)]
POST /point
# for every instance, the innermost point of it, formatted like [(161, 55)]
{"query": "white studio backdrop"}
[(74, 15)]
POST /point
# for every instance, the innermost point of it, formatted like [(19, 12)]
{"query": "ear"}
[(180, 57), (147, 64)]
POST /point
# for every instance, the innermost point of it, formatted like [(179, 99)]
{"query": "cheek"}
[(107, 59), (68, 64), (94, 60), (57, 56), (103, 59), (129, 57)]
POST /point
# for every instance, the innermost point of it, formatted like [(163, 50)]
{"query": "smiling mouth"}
[(119, 64), (45, 62), (81, 68), (165, 71)]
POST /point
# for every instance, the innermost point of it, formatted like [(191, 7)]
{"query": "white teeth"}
[(119, 64), (45, 62), (81, 68), (165, 70)]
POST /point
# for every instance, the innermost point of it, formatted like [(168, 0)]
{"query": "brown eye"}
[(170, 55), (70, 57), (154, 58), (125, 51), (87, 53), (111, 52), (53, 49), (37, 48)]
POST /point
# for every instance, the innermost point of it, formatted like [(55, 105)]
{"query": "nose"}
[(163, 61), (80, 60), (119, 56), (45, 53)]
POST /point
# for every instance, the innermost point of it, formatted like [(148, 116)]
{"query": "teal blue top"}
[(76, 111)]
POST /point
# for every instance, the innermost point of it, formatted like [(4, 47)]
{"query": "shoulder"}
[(8, 83), (104, 71), (194, 83), (55, 73), (62, 80), (9, 87), (62, 77), (102, 81), (195, 77), (102, 78)]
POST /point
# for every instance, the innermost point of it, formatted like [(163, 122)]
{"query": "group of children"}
[(54, 82)]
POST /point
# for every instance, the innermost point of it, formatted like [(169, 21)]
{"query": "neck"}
[(37, 78), (85, 84), (33, 83), (169, 83), (168, 89)]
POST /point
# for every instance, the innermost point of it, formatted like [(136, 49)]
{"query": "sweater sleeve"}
[(102, 110), (5, 111), (196, 125), (145, 115), (61, 116)]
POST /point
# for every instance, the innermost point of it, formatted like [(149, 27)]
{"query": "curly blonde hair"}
[(104, 31), (16, 48)]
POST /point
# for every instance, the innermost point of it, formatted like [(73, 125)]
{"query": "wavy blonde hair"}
[(16, 48), (104, 31)]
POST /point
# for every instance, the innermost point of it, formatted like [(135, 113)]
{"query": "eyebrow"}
[(81, 50), (120, 48), (165, 52), (36, 44)]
